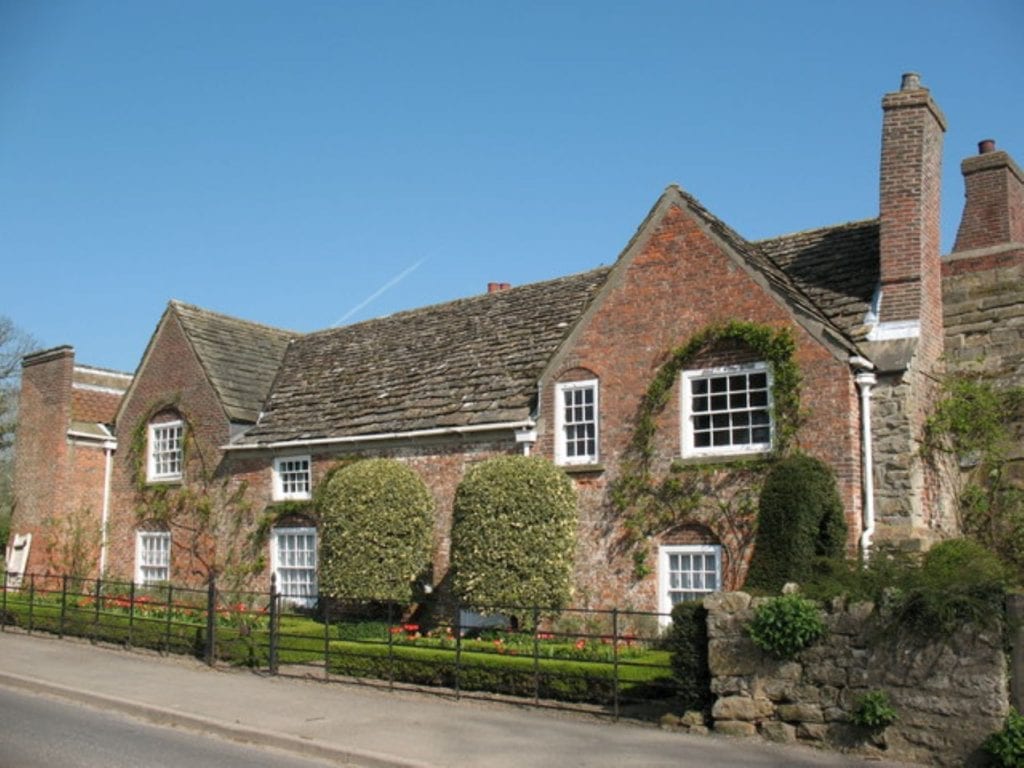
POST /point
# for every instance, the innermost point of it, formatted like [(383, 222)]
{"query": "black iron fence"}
[(611, 661)]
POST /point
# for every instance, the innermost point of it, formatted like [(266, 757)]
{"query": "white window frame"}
[(305, 598), (152, 472), (144, 562), (561, 446), (665, 587), (688, 448), (284, 477)]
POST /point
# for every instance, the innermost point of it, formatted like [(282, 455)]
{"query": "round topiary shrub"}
[(800, 519), (514, 534), (375, 534)]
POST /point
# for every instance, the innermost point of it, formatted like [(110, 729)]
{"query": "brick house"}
[(560, 369)]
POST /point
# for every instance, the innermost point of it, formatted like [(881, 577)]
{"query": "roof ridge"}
[(816, 230), (461, 300), (178, 304)]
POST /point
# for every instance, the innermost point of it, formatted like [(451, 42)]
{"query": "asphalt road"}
[(43, 732)]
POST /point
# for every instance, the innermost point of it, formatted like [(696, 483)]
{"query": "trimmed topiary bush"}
[(786, 625), (375, 535), (687, 640), (514, 534), (800, 520)]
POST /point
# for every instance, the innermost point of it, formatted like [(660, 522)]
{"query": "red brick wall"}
[(170, 380), (679, 281), (994, 209)]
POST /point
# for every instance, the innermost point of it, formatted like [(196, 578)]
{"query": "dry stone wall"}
[(949, 695)]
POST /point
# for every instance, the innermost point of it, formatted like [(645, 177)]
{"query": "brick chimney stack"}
[(911, 175), (994, 206)]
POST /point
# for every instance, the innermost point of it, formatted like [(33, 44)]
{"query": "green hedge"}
[(376, 531), (687, 641), (800, 520), (514, 534)]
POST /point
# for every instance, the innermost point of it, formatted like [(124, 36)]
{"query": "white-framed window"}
[(727, 410), (292, 477), (165, 451), (687, 572), (152, 557), (293, 556), (576, 417)]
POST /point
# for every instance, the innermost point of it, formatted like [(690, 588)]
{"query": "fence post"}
[(97, 596), (536, 655), (31, 599), (131, 613), (458, 646), (167, 622), (615, 664), (63, 604), (211, 620), (327, 640), (272, 651), (3, 614), (391, 646)]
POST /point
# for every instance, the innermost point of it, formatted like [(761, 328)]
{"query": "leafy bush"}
[(959, 582), (786, 625), (1007, 746), (874, 711), (375, 536), (514, 533), (800, 518), (687, 640)]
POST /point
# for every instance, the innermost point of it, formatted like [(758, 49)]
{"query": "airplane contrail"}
[(389, 284)]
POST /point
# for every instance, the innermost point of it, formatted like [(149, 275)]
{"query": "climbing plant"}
[(971, 437), (208, 514), (651, 505)]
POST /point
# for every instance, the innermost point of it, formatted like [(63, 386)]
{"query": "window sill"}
[(165, 480), (582, 469), (724, 459)]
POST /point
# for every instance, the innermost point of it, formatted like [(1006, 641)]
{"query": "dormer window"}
[(292, 478), (165, 451), (576, 422)]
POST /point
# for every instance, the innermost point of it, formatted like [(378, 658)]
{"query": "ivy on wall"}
[(651, 505)]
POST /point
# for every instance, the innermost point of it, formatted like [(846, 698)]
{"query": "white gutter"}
[(108, 447), (381, 436), (866, 380)]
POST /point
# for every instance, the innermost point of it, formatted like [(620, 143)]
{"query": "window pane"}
[(740, 400)]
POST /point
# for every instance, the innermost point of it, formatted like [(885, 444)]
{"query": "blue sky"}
[(285, 162)]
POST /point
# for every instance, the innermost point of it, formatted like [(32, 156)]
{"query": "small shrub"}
[(1007, 746), (959, 582), (874, 711), (687, 640), (800, 518), (786, 625)]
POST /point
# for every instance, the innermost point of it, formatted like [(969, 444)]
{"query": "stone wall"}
[(949, 695)]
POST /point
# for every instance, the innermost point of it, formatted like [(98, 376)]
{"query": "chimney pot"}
[(911, 81), (496, 287), (986, 145)]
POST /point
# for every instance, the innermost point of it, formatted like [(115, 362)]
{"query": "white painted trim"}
[(138, 554), (381, 436), (275, 470), (108, 463), (687, 449), (151, 475), (560, 388), (97, 388), (275, 563), (664, 601), (103, 372), (895, 329)]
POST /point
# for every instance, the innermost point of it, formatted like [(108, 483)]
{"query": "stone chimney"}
[(994, 206), (911, 176)]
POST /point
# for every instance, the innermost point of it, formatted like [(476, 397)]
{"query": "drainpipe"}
[(526, 438), (866, 380), (108, 450)]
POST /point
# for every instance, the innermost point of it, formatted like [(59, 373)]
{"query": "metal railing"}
[(600, 660)]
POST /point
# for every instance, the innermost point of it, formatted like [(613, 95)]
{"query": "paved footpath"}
[(362, 725)]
